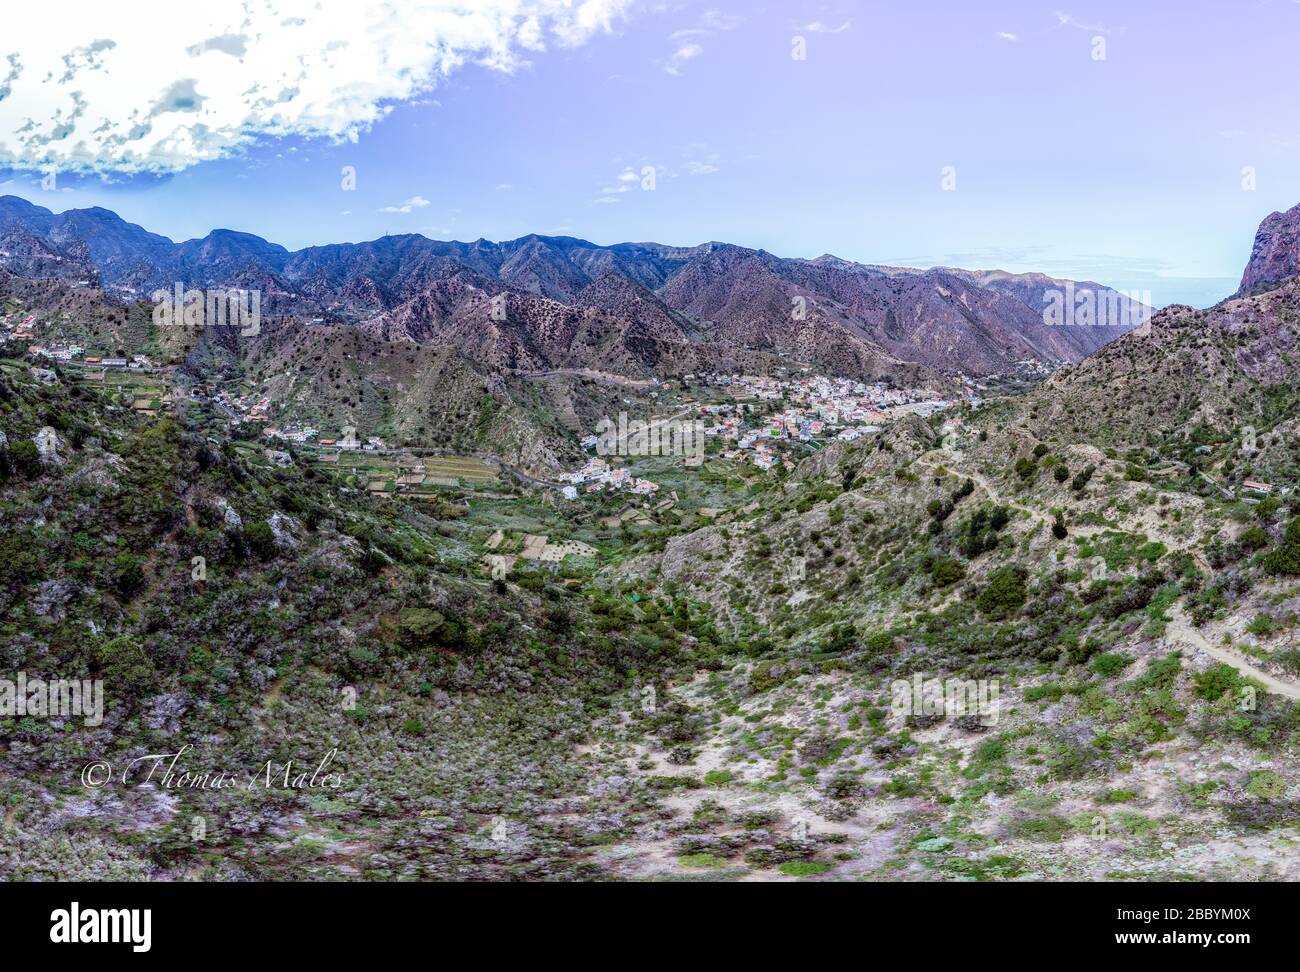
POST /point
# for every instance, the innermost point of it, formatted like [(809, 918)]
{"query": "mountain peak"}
[(1276, 254)]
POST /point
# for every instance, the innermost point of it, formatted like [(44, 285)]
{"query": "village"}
[(766, 420), (807, 409)]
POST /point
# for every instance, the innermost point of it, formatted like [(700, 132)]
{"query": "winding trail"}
[(1180, 629)]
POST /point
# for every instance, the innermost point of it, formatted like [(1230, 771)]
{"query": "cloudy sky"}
[(1135, 144)]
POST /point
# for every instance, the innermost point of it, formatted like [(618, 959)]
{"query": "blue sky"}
[(1109, 141)]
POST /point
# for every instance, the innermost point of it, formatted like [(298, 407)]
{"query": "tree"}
[(126, 665), (128, 573), (260, 540), (419, 625)]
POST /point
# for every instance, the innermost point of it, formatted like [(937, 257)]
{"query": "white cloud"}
[(158, 87), (628, 179), (710, 22), (701, 168), (680, 56), (1068, 20), (817, 27), (716, 20), (415, 202), (1013, 38)]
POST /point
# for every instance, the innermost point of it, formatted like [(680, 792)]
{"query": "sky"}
[(1137, 143)]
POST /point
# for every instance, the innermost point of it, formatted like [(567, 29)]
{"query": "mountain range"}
[(630, 308)]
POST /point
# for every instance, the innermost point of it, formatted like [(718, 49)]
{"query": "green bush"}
[(1005, 592), (804, 868), (1214, 682), (1110, 663), (1262, 625), (417, 626), (1253, 539), (1051, 690), (259, 540), (126, 666), (128, 573), (947, 570), (1285, 558), (25, 458)]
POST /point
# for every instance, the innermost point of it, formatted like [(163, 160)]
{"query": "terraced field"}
[(449, 470)]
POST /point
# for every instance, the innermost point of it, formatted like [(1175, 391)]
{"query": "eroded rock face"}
[(1276, 254), (283, 528), (230, 519), (51, 598), (100, 471), (48, 445)]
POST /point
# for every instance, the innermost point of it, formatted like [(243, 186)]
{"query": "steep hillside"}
[(337, 376), (254, 612), (1188, 370)]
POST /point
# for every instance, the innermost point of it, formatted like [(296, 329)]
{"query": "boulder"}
[(48, 445), (282, 528), (230, 519)]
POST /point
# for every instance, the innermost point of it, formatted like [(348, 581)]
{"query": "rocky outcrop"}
[(283, 528), (1276, 254), (48, 445), (230, 519)]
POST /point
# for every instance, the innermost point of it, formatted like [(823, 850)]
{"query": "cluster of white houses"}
[(75, 354), (597, 476), (817, 406), (309, 436), (835, 401)]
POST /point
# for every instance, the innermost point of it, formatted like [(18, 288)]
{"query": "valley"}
[(395, 534)]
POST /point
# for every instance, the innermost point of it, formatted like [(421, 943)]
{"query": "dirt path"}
[(1181, 631), (979, 480), (1076, 529)]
